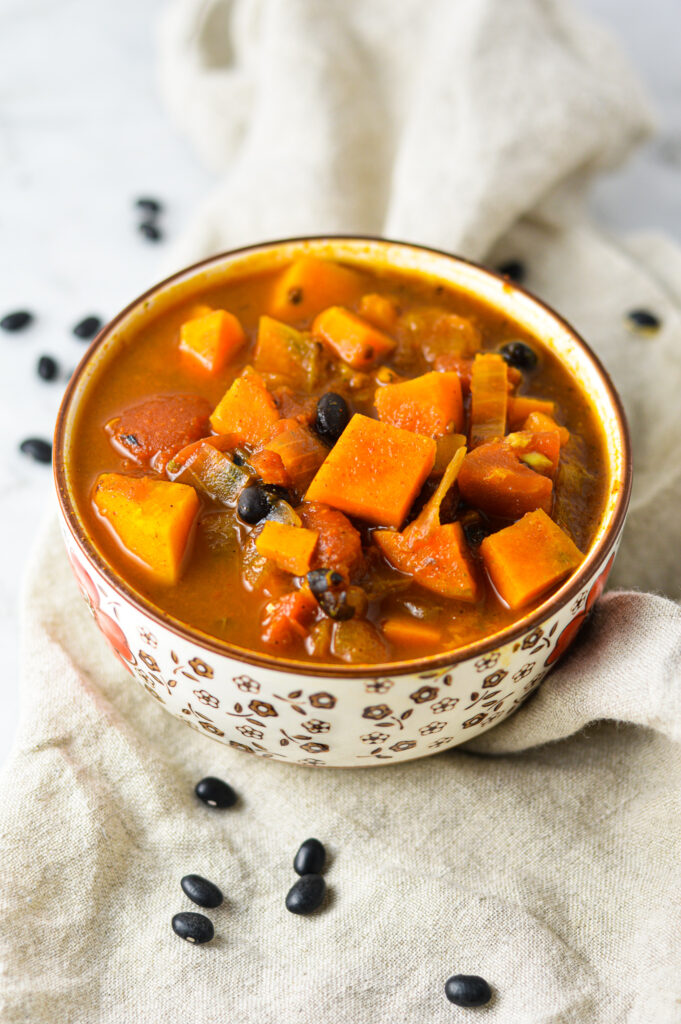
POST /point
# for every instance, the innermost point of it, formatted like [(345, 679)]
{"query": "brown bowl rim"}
[(427, 663)]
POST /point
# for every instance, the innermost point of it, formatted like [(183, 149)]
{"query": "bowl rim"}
[(427, 663)]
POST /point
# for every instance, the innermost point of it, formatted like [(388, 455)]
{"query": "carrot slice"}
[(153, 519), (289, 547), (374, 471), (246, 409), (526, 559), (520, 407), (493, 479), (489, 397), (289, 353), (430, 404), (212, 339), (352, 339), (309, 284), (410, 632)]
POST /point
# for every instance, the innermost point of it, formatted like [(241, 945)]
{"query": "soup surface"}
[(335, 465)]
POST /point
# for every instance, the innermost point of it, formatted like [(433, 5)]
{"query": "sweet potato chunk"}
[(339, 545), (289, 547), (247, 409), (526, 559), (152, 519), (374, 471), (379, 310), (352, 339), (153, 431), (493, 479), (440, 562), (408, 631), (309, 284), (211, 340), (430, 404), (520, 407), (539, 421)]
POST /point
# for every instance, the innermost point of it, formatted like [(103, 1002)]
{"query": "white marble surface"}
[(82, 133)]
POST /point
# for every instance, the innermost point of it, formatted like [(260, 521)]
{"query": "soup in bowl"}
[(340, 501)]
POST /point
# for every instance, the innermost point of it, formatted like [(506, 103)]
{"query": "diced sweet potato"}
[(406, 631), (289, 547), (310, 284), (339, 545), (493, 479), (153, 520), (489, 397), (374, 471), (526, 559), (288, 353), (430, 404), (520, 407), (379, 310), (352, 339), (287, 620), (211, 340), (300, 451), (440, 562), (152, 432), (463, 368), (246, 409)]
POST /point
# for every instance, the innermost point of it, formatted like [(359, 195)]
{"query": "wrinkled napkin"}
[(544, 855)]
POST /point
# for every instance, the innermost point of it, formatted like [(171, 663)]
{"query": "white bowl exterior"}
[(327, 721)]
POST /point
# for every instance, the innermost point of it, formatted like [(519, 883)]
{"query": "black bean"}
[(518, 354), (87, 328), (332, 594), (474, 533), (215, 792), (191, 927), (201, 891), (643, 320), (253, 504), (150, 231), (513, 269), (310, 858), (47, 368), (306, 894), (332, 416), (278, 492), (467, 990), (16, 321), (148, 204), (37, 449)]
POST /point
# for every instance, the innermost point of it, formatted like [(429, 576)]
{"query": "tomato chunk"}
[(153, 431)]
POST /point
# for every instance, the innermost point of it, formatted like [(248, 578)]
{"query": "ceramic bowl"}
[(342, 715)]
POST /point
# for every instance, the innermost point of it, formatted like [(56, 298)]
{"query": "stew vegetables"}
[(337, 465)]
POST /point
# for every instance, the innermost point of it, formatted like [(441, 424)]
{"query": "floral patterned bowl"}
[(341, 715)]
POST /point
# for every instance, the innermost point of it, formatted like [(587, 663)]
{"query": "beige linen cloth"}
[(545, 857)]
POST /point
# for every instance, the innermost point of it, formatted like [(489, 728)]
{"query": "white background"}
[(82, 133)]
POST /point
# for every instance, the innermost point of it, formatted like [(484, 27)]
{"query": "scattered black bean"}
[(16, 321), (310, 858), (201, 891), (150, 231), (215, 792), (332, 416), (37, 449), (191, 927), (467, 990), (253, 504), (306, 894), (47, 368), (148, 204), (644, 321), (513, 269), (87, 328), (520, 355), (474, 533)]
